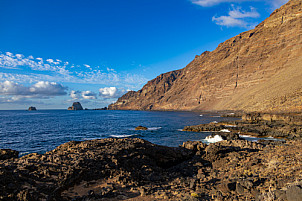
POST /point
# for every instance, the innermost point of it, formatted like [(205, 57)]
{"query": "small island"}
[(31, 108), (76, 106)]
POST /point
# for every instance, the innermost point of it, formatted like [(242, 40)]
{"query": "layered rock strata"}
[(258, 70)]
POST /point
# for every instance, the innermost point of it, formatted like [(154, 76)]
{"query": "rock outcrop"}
[(31, 108), (76, 106), (141, 128), (258, 70), (134, 169), (287, 126)]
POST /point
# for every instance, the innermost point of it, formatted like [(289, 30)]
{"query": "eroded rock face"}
[(257, 70)]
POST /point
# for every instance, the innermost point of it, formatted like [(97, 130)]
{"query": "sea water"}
[(43, 130)]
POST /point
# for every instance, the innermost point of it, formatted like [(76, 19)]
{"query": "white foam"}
[(214, 122), (246, 136), (210, 139), (225, 130), (216, 116), (201, 115), (180, 129), (231, 126), (121, 136), (154, 128)]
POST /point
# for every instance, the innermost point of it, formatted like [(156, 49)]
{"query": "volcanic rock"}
[(8, 154), (76, 106), (256, 70), (31, 108), (134, 169), (141, 128)]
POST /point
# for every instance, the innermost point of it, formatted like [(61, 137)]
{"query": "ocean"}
[(43, 130)]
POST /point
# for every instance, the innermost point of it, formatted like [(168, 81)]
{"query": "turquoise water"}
[(43, 130)]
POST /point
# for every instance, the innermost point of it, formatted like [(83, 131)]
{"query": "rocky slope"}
[(134, 169), (257, 70)]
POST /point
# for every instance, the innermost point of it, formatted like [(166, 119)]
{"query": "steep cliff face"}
[(259, 70)]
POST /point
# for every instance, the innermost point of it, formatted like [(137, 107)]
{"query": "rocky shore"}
[(281, 125), (134, 169)]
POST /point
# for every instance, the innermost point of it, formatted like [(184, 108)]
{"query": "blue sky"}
[(53, 52)]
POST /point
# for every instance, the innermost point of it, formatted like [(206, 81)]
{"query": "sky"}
[(56, 52)]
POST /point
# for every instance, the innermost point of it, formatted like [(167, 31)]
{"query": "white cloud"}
[(88, 95), (32, 69), (75, 94), (208, 3), (39, 90), (111, 92), (277, 3), (48, 88), (237, 18), (49, 60)]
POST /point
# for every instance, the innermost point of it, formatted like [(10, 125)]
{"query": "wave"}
[(211, 139), (122, 136), (246, 136), (231, 126), (225, 130), (154, 128)]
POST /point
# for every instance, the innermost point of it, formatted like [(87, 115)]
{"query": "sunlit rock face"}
[(258, 70)]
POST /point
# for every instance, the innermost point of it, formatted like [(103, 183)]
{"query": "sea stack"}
[(31, 108), (76, 106)]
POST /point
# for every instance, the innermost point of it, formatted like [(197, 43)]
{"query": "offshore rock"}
[(141, 128), (31, 108), (257, 70), (76, 106)]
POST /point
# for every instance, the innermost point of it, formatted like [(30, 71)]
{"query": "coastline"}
[(135, 169)]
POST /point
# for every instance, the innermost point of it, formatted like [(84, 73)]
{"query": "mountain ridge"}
[(257, 70)]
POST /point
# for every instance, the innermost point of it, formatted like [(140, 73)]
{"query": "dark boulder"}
[(8, 154)]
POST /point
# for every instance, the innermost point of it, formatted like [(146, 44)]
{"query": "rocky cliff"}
[(258, 70)]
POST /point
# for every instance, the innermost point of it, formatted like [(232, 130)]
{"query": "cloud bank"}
[(31, 69), (14, 92)]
